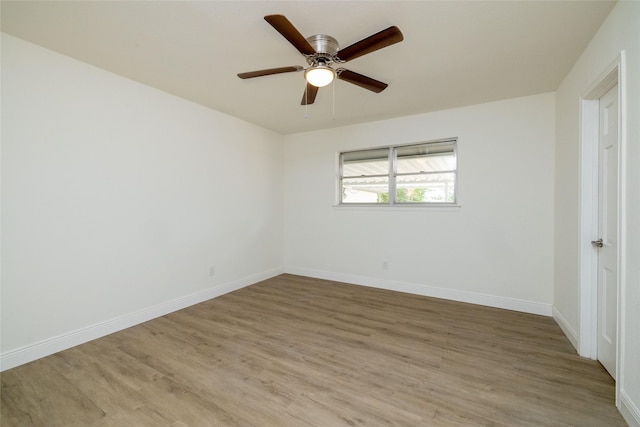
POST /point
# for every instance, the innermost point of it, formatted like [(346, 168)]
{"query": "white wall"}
[(497, 249), (116, 200), (621, 31)]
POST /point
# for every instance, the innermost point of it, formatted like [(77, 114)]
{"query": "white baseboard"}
[(58, 343), (568, 330), (430, 291), (629, 410)]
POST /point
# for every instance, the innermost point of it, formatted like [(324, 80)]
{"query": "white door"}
[(608, 231)]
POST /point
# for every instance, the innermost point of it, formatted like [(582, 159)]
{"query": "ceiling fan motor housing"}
[(326, 47)]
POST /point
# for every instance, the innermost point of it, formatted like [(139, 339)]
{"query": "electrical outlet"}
[(212, 271), (385, 265)]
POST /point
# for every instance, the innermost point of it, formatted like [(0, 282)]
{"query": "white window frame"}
[(392, 176)]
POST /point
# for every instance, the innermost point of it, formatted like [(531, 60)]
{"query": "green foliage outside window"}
[(404, 195)]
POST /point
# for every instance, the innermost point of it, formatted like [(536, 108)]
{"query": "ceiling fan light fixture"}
[(319, 75)]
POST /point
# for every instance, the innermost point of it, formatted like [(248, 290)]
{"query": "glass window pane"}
[(431, 188), (365, 167), (366, 162), (426, 158), (365, 190)]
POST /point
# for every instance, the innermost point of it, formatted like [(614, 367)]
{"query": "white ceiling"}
[(454, 53)]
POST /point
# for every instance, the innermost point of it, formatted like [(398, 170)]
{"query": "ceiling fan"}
[(321, 52)]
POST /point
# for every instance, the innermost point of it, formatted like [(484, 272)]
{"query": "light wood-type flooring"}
[(295, 351)]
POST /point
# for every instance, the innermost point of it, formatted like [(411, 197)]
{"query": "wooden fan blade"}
[(309, 95), (384, 38), (360, 80), (289, 32), (268, 72)]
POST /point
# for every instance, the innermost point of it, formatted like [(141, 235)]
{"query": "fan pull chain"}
[(306, 101), (333, 89)]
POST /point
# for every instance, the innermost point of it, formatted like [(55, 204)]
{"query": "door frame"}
[(589, 136)]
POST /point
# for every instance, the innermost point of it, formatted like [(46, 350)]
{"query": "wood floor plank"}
[(297, 351), (62, 403)]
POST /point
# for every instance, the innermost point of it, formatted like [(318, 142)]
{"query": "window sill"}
[(386, 208)]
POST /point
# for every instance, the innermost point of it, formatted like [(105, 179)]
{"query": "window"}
[(417, 174)]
